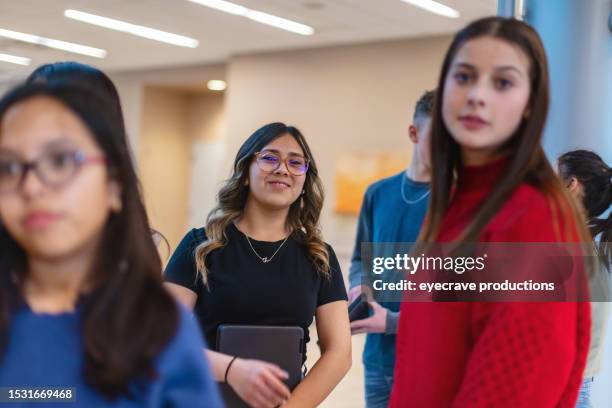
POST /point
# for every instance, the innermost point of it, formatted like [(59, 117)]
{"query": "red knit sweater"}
[(492, 354)]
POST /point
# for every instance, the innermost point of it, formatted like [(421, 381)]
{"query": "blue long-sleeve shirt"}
[(46, 350), (393, 210)]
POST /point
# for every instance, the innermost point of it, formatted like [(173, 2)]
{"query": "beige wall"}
[(174, 125), (205, 117), (342, 98), (163, 161), (131, 85), (356, 98), (206, 126)]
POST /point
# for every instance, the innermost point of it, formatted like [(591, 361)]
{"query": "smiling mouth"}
[(279, 184)]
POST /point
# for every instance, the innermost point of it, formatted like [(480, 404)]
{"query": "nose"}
[(30, 185), (477, 94), (282, 169)]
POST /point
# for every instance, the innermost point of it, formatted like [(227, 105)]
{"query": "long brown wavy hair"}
[(127, 318), (304, 213), (528, 162)]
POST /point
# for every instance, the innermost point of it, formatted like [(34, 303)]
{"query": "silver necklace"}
[(407, 201), (264, 259)]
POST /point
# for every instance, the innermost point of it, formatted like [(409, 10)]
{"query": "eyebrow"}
[(289, 154), (59, 142), (498, 68), (8, 153)]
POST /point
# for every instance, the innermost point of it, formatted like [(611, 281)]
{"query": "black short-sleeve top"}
[(244, 290)]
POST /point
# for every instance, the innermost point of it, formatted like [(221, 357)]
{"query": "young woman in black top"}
[(261, 261)]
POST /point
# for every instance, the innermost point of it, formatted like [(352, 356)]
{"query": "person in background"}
[(393, 210), (261, 260), (82, 303), (589, 179), (486, 130)]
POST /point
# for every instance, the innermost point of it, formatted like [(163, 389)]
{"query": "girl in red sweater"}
[(491, 182)]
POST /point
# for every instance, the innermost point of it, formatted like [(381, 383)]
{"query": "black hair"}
[(424, 106), (127, 318), (71, 72), (595, 177)]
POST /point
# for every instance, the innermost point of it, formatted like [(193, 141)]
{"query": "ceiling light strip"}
[(51, 43), (134, 29), (15, 60), (434, 7), (258, 16)]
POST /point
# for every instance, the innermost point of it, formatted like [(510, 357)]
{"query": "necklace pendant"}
[(265, 259)]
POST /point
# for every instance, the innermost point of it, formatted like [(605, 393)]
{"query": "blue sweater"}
[(46, 351), (393, 210)]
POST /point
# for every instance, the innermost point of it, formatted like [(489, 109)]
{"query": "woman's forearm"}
[(321, 380), (218, 363)]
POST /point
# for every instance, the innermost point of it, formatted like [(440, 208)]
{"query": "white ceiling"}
[(221, 35)]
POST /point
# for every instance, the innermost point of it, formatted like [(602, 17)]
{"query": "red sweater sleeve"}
[(526, 354)]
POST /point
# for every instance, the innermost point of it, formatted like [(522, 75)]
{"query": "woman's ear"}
[(574, 187), (114, 196), (413, 134)]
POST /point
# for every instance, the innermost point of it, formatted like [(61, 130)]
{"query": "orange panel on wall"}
[(355, 171)]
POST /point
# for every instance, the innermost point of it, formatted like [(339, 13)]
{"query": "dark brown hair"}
[(71, 72), (595, 177), (127, 318), (424, 105), (527, 161)]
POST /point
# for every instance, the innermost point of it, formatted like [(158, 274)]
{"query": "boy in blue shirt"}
[(393, 210)]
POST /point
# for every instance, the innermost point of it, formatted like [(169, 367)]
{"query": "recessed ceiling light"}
[(434, 7), (15, 60), (216, 85), (134, 29), (259, 16), (51, 43), (313, 5)]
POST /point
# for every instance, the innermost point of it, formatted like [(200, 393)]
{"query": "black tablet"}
[(279, 345)]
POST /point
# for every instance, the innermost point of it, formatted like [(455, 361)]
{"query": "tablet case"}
[(280, 345)]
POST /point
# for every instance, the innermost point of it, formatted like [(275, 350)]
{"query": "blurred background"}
[(197, 77)]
